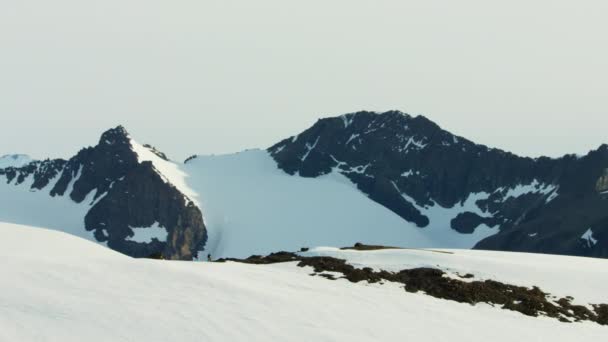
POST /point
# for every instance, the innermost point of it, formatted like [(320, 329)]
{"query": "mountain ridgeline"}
[(122, 193), (412, 166), (445, 190)]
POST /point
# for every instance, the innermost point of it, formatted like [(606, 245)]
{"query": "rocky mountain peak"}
[(354, 138), (413, 167), (603, 148), (391, 129), (115, 136), (122, 194)]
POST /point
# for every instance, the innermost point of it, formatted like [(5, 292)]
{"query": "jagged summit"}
[(117, 190), (357, 128), (113, 136), (118, 130), (357, 136), (120, 137)]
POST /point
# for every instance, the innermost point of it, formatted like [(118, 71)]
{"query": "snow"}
[(279, 149), (79, 291), (441, 217), (340, 163), (551, 197), (358, 169), (407, 173), (411, 141), (343, 167), (147, 234), (252, 207), (22, 205), (172, 172), (351, 138), (14, 160), (534, 187), (588, 237), (309, 149), (582, 278), (100, 197), (347, 119)]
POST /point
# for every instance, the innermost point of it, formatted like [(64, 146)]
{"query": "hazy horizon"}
[(95, 138), (221, 76)]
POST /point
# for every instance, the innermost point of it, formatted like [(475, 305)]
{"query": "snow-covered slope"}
[(79, 291), (22, 204), (580, 277), (252, 207), (171, 171), (119, 193), (14, 160)]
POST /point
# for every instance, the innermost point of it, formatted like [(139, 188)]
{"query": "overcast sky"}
[(214, 76)]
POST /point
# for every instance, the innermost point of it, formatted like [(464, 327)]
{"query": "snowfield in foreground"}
[(58, 287)]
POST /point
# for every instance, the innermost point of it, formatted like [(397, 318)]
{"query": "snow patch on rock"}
[(440, 217), (523, 189), (171, 172), (147, 234), (309, 149), (419, 144), (588, 238)]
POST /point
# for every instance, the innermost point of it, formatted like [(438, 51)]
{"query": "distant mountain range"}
[(385, 178)]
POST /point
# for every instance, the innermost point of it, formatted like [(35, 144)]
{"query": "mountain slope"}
[(66, 299), (416, 169), (381, 178), (14, 160), (252, 207), (113, 193)]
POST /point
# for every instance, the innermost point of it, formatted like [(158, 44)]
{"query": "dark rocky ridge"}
[(392, 154), (127, 193), (434, 282)]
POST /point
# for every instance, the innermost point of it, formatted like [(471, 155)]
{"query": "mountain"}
[(79, 291), (380, 178), (118, 193), (421, 172)]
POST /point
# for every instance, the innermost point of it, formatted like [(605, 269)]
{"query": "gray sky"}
[(213, 76)]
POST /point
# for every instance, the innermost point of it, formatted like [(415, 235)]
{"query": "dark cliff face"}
[(575, 222), (140, 199), (408, 164), (123, 193)]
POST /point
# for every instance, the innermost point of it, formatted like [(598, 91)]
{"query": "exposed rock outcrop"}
[(128, 194), (434, 282), (414, 168)]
